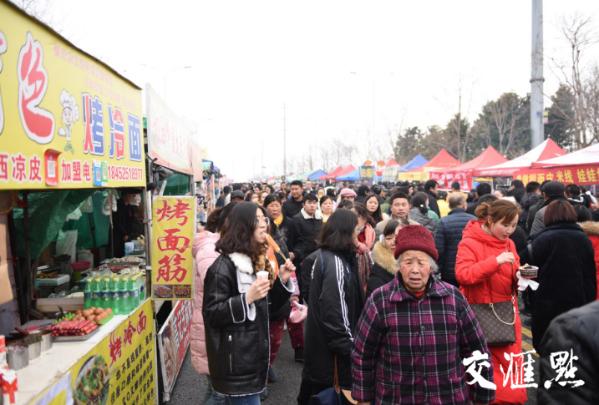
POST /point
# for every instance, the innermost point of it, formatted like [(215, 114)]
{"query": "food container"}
[(528, 271), (46, 286), (80, 268), (34, 344), (18, 357), (47, 340)]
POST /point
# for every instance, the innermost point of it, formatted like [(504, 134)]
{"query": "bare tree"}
[(507, 113), (580, 36)]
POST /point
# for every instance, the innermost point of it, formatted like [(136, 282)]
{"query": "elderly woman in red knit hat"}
[(417, 335)]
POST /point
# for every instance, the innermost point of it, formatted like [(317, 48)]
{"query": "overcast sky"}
[(350, 70)]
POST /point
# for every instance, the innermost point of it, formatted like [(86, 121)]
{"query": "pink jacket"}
[(205, 255)]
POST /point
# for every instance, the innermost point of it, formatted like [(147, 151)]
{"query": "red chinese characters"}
[(171, 269), (34, 169), (37, 122), (171, 244), (18, 167), (179, 211), (115, 347), (172, 241)]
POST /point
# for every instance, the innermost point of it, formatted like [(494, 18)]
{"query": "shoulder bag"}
[(497, 320)]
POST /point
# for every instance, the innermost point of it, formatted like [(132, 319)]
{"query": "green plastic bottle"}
[(87, 294), (121, 296), (95, 292), (133, 294)]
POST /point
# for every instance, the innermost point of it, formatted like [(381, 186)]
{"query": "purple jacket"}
[(410, 351)]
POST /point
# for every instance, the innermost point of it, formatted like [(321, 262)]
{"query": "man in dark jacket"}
[(481, 190), (553, 190), (531, 198), (430, 188), (573, 333), (449, 234), (295, 203), (304, 231)]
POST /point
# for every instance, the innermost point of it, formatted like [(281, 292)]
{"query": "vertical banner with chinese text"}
[(173, 341), (173, 228)]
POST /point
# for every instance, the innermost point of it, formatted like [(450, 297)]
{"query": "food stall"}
[(72, 162), (173, 208)]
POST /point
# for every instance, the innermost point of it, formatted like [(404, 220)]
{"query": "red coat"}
[(480, 279), (592, 230)]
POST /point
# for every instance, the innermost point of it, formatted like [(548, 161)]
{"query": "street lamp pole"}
[(284, 141), (536, 80)]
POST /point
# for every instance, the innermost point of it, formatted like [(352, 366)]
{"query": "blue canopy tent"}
[(316, 175), (351, 176), (415, 163)]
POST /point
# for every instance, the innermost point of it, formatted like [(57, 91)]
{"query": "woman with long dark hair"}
[(565, 257), (371, 202), (235, 309), (335, 303)]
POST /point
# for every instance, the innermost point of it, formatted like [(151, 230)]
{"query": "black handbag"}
[(497, 320)]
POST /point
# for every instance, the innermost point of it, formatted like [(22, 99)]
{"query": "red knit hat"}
[(415, 237)]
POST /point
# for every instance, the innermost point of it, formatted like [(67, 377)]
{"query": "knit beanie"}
[(415, 237), (348, 192)]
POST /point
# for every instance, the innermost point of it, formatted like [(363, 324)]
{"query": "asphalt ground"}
[(190, 388)]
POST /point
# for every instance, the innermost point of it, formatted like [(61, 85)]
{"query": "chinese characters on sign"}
[(520, 373), (173, 340), (125, 362), (173, 227), (66, 120), (583, 175)]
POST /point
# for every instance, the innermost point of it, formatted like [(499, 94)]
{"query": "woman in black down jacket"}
[(235, 311), (567, 278), (334, 306)]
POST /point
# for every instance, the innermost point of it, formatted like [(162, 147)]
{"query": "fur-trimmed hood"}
[(384, 257), (590, 227)]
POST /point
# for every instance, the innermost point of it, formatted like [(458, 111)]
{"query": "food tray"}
[(52, 282), (76, 338)]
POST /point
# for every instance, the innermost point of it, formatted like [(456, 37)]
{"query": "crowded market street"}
[(313, 203)]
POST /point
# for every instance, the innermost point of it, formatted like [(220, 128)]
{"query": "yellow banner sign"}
[(121, 369), (173, 228), (66, 119)]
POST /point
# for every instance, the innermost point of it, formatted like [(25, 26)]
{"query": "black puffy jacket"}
[(447, 237), (302, 236), (567, 274), (576, 330), (334, 306), (238, 347)]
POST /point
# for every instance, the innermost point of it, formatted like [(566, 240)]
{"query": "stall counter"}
[(135, 350)]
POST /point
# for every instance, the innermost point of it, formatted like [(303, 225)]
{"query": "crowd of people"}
[(383, 290)]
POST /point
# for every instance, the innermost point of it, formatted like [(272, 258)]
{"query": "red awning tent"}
[(546, 150), (332, 174), (443, 159), (464, 173), (579, 167), (339, 171)]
